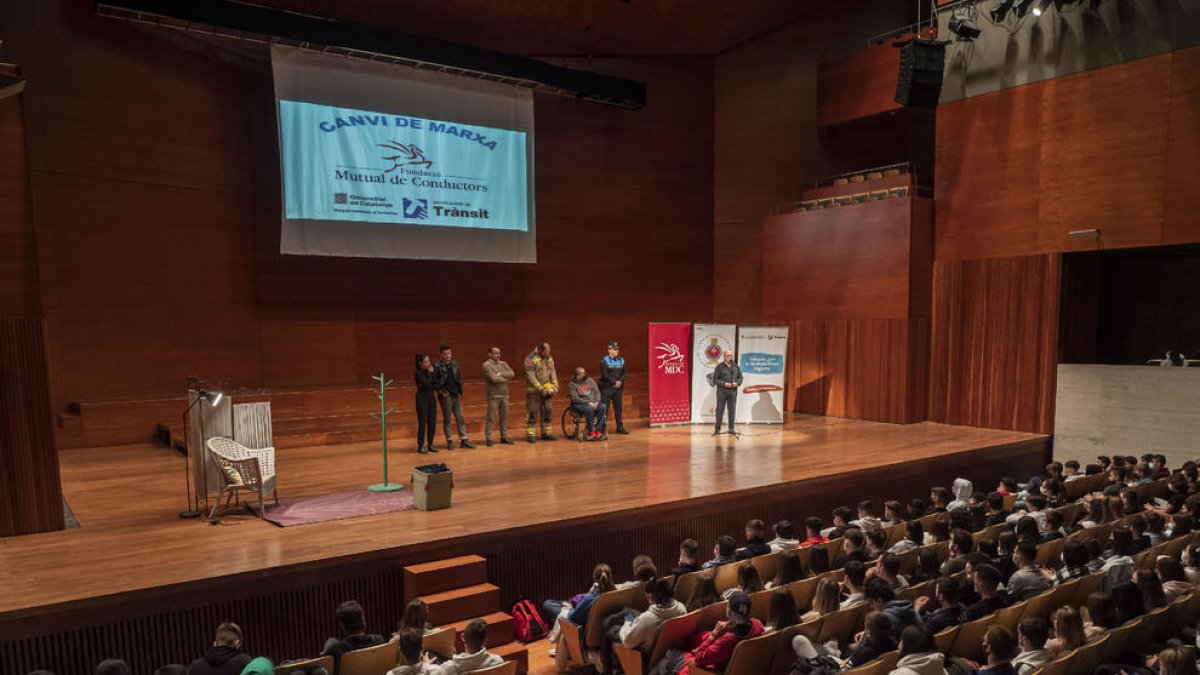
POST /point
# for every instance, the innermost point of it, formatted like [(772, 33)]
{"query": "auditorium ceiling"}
[(572, 27)]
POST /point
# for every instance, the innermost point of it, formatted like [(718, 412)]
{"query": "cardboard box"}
[(431, 491)]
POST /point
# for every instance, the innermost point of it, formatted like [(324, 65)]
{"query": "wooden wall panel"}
[(994, 342), (1182, 202), (860, 84), (31, 498), (19, 291)]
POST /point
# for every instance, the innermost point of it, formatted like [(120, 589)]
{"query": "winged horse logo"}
[(668, 354), (408, 155)]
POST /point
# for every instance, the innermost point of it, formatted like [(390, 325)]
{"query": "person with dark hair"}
[(1006, 545), (1154, 528), (812, 532), (586, 400), (579, 612), (986, 579), (1095, 514), (1181, 525), (450, 391), (756, 544), (785, 537), (1119, 565), (790, 569), (939, 531), (612, 384), (918, 654), (1028, 580), (727, 378), (1052, 527), (541, 384), (226, 656), (1054, 492), (497, 373), (887, 567), (1150, 587), (894, 513), (639, 630), (413, 661), (818, 561), (939, 499), (1000, 647), (474, 655), (722, 552), (1032, 633), (704, 594), (643, 572), (113, 667), (415, 617), (961, 543), (927, 567), (914, 536), (1102, 615), (1137, 526), (781, 612), (427, 387), (352, 624), (748, 581), (711, 650), (1174, 579), (842, 515), (853, 581), (1127, 598), (853, 547), (689, 556), (876, 641), (1071, 471), (876, 541), (866, 519), (1074, 558), (880, 597), (917, 508), (947, 613)]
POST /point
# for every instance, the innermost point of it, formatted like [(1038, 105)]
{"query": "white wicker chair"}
[(254, 466)]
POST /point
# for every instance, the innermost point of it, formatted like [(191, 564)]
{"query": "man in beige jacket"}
[(497, 373)]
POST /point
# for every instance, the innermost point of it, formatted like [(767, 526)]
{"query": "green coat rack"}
[(384, 411)]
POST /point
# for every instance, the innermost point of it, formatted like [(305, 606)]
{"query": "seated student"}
[(826, 599), (961, 519), (581, 605), (1054, 492), (1074, 558), (1131, 500), (1154, 528), (946, 611), (722, 552), (812, 532), (112, 667), (914, 536), (1150, 586), (1068, 630), (1035, 506), (962, 490), (1095, 514), (894, 513), (939, 498), (928, 567), (415, 617), (1071, 471), (414, 662), (1000, 646), (961, 544), (789, 570), (866, 519), (748, 581), (689, 560), (1137, 526), (887, 567), (876, 641), (1102, 615), (853, 583), (1177, 494), (1174, 579), (643, 571), (711, 650), (918, 654), (226, 656), (1027, 529), (1181, 525), (1007, 486), (938, 532), (1118, 566), (853, 547), (986, 579), (586, 400), (353, 624), (917, 508), (475, 655), (1032, 633), (818, 561), (755, 542), (704, 594), (1052, 527), (842, 516), (785, 537), (781, 612), (876, 541), (1028, 580), (639, 630), (880, 597), (1095, 551), (979, 515)]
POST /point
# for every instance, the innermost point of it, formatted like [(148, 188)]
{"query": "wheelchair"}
[(572, 423)]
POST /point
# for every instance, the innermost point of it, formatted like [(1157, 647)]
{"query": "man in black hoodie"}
[(226, 656), (353, 622)]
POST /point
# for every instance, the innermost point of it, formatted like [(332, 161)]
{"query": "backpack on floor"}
[(527, 622)]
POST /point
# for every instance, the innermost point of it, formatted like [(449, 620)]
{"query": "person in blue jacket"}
[(612, 384)]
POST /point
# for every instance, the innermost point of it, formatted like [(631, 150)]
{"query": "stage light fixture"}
[(1040, 7), (1002, 9), (1023, 7), (213, 397), (964, 28)]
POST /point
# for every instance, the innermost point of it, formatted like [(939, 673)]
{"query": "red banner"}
[(670, 386)]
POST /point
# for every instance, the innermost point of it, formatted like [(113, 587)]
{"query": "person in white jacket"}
[(641, 631), (918, 654), (412, 661), (475, 656)]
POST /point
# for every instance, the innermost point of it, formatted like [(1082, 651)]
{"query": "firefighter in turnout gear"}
[(541, 385)]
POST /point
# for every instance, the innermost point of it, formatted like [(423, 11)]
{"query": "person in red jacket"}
[(712, 649)]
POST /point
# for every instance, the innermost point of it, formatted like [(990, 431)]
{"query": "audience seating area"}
[(891, 182)]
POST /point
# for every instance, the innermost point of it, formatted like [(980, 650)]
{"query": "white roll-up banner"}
[(762, 355), (709, 342)]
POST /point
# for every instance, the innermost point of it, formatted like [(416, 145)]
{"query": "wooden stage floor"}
[(130, 540)]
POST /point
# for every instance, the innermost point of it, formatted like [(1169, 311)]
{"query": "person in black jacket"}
[(727, 377), (612, 384), (226, 656), (450, 391), (427, 386), (354, 636)]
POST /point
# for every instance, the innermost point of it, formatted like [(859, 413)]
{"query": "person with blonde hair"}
[(826, 599), (1068, 630)]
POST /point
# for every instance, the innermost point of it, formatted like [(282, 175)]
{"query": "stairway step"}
[(500, 628), (443, 575), (462, 603), (514, 651)]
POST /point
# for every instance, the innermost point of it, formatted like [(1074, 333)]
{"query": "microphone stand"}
[(192, 510)]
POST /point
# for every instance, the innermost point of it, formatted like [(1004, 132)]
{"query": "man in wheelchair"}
[(585, 399)]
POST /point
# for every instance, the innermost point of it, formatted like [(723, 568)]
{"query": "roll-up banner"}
[(669, 384), (709, 341), (762, 355)]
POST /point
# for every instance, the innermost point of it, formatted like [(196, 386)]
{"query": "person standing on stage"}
[(497, 373), (450, 391), (727, 377), (612, 384), (427, 387), (542, 384)]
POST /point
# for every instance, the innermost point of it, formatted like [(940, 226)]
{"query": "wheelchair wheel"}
[(570, 423)]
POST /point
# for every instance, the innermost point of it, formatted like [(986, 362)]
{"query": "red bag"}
[(527, 622)]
